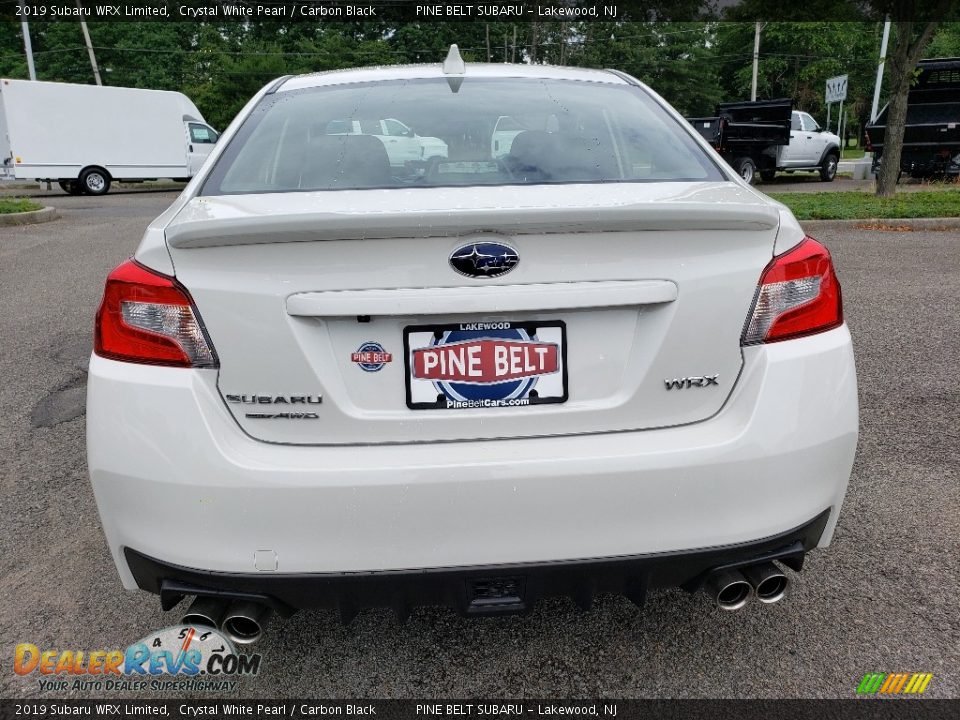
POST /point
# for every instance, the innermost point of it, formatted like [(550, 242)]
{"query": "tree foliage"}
[(796, 59), (694, 65)]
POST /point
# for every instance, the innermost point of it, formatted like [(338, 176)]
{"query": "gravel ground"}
[(883, 598)]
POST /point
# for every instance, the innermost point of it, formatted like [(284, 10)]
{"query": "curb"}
[(947, 223), (152, 185), (29, 218)]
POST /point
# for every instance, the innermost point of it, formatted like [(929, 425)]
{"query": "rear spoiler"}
[(316, 225)]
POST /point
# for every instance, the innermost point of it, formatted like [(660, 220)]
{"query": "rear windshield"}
[(420, 133)]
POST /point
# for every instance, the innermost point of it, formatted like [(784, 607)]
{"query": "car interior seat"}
[(344, 161)]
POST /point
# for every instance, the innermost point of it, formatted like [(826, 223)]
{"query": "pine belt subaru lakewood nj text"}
[(517, 332)]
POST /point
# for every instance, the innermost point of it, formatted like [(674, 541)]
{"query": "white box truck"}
[(86, 136)]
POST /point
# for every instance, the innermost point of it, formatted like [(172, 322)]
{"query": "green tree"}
[(141, 54), (59, 52), (796, 59), (428, 43), (946, 41), (910, 39), (13, 61), (674, 58)]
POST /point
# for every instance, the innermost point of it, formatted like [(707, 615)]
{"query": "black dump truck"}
[(931, 138), (769, 135)]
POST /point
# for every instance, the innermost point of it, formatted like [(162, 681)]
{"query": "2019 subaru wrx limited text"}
[(579, 357)]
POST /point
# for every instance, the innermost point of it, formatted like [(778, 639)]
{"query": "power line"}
[(44, 52)]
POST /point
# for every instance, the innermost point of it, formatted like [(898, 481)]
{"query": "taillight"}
[(148, 317), (866, 141), (798, 295)]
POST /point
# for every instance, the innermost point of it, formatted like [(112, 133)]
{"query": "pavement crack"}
[(67, 402)]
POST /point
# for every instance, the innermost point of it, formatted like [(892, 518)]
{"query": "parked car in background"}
[(504, 131), (931, 138), (768, 136), (598, 363), (402, 144), (86, 136)]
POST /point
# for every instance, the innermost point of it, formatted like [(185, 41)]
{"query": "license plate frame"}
[(554, 333)]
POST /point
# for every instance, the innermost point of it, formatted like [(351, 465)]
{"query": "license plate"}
[(467, 365)]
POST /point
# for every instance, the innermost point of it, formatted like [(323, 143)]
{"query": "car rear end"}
[(596, 363)]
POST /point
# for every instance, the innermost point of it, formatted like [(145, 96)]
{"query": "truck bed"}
[(747, 127), (931, 139)]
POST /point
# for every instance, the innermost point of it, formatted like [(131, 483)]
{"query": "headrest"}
[(344, 161)]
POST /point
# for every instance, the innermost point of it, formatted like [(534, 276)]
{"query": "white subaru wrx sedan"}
[(591, 360)]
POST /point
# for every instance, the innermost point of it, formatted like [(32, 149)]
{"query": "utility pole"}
[(883, 59), (86, 39), (513, 49), (487, 26), (756, 60), (840, 128), (27, 45)]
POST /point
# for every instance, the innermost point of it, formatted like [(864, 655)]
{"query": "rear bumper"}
[(480, 591), (176, 480)]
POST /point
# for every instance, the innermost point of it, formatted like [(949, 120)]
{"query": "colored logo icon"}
[(371, 357), (894, 683)]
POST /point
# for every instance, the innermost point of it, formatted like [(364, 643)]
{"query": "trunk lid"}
[(626, 300)]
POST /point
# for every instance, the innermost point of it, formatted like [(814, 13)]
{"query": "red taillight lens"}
[(866, 142), (147, 317), (799, 294)]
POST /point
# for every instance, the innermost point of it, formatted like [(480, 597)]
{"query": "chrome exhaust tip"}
[(205, 612), (245, 620), (729, 589), (768, 582)]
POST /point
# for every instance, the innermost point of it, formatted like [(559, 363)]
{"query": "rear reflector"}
[(148, 317), (798, 295)]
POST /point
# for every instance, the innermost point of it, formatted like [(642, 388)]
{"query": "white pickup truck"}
[(402, 144), (810, 148)]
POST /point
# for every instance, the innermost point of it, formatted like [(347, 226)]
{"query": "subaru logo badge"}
[(484, 259)]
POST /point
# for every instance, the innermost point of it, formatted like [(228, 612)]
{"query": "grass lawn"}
[(852, 153), (857, 205), (16, 205)]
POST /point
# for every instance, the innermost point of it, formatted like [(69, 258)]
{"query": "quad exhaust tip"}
[(732, 588), (241, 621), (729, 589), (768, 582), (244, 621), (205, 612)]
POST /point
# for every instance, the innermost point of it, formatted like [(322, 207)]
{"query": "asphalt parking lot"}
[(883, 598)]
